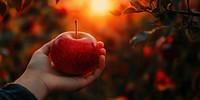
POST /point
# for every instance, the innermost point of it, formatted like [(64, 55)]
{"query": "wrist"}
[(34, 84)]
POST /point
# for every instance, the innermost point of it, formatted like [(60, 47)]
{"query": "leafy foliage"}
[(177, 28), (139, 38), (20, 5), (166, 13), (130, 10)]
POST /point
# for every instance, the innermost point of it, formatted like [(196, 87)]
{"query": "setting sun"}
[(100, 6)]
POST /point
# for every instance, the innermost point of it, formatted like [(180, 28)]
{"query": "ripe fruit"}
[(75, 55), (147, 51)]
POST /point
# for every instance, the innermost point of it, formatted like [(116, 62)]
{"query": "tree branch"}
[(186, 13)]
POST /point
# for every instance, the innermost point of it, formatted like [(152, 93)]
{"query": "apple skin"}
[(75, 56)]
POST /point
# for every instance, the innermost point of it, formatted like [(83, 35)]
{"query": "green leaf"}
[(142, 36), (165, 17), (116, 12), (130, 10), (150, 37), (136, 4)]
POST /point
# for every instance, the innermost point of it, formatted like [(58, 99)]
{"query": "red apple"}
[(75, 55)]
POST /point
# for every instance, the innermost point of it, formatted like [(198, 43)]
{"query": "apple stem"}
[(76, 28)]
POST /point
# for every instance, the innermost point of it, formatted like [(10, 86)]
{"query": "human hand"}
[(41, 78)]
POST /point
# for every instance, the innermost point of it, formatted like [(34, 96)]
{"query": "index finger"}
[(46, 47)]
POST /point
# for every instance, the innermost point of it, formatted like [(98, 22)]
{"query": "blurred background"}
[(140, 72)]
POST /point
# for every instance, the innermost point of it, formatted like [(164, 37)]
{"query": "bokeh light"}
[(100, 6)]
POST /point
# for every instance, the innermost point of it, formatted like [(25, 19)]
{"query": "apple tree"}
[(166, 57), (173, 40)]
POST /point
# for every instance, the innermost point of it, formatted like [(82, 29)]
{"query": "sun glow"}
[(100, 6)]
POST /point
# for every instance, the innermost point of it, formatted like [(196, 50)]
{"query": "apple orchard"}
[(153, 46)]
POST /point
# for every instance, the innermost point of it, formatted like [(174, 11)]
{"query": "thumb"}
[(46, 47)]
